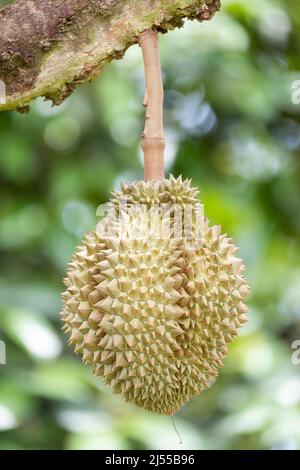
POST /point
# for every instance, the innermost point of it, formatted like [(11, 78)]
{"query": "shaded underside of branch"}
[(47, 47)]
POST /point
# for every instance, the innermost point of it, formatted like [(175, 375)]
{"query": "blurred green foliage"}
[(232, 127)]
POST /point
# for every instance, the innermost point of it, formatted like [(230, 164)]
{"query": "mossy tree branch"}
[(47, 47)]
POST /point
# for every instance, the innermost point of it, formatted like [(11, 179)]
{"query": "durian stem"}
[(153, 142)]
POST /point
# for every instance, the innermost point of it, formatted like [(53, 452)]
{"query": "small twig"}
[(153, 142), (176, 430)]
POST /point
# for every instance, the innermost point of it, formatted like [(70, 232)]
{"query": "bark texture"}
[(47, 47)]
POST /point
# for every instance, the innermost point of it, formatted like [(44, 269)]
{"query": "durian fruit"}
[(150, 307)]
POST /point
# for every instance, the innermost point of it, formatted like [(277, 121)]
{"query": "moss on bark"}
[(47, 47)]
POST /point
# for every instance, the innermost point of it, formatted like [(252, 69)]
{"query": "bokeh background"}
[(232, 127)]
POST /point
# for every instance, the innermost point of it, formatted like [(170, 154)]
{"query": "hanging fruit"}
[(155, 294)]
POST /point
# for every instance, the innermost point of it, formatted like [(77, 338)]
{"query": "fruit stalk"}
[(153, 142)]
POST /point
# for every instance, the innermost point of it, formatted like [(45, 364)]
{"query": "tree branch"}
[(47, 47)]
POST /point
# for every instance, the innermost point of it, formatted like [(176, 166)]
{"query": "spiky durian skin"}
[(151, 313)]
